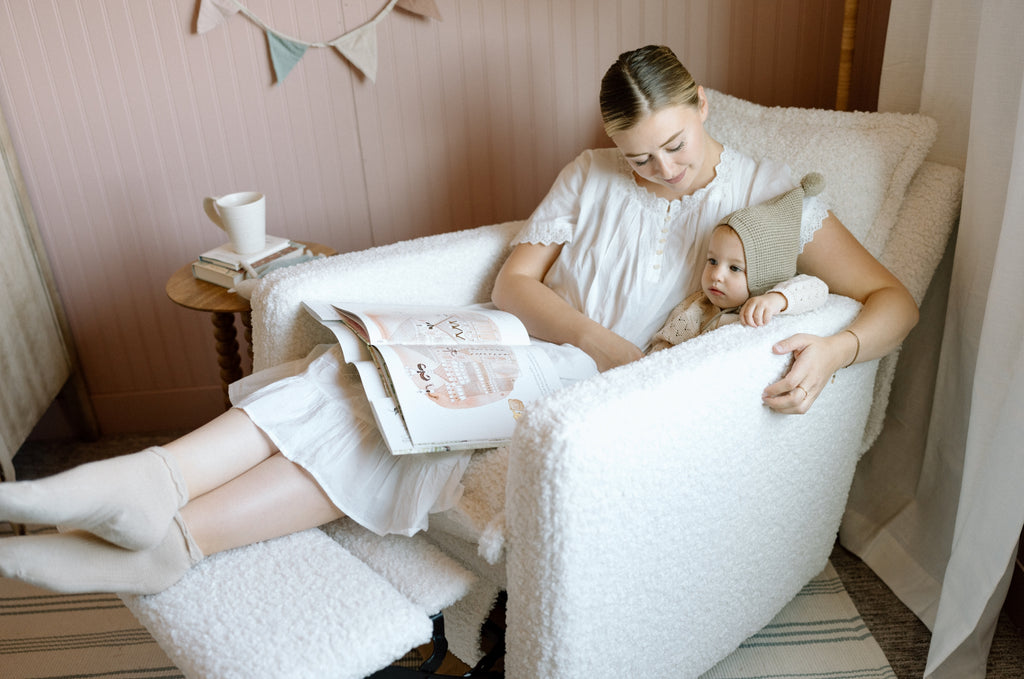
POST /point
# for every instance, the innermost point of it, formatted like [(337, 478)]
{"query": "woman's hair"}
[(641, 82)]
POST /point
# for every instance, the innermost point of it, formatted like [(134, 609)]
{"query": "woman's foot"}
[(127, 500), (80, 562)]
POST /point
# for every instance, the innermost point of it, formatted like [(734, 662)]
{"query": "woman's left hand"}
[(815, 360)]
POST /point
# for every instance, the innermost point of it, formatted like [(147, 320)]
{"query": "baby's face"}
[(725, 272)]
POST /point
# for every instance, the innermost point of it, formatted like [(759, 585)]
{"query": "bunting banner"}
[(358, 46)]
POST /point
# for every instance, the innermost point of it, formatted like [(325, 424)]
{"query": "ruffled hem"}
[(319, 418)]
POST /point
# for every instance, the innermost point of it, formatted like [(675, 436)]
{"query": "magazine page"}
[(353, 348), (474, 393), (392, 428), (409, 324), (459, 380)]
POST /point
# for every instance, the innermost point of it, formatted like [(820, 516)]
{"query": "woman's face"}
[(668, 149)]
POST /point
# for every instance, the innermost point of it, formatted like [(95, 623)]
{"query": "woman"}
[(683, 182), (613, 247)]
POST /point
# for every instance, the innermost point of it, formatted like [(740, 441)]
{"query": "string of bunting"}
[(358, 46)]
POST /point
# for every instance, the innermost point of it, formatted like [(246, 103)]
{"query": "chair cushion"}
[(419, 570), (868, 159), (296, 606), (479, 516)]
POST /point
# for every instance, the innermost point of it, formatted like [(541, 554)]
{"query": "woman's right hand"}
[(608, 349), (520, 290)]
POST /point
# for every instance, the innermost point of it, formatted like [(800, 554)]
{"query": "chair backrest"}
[(868, 159)]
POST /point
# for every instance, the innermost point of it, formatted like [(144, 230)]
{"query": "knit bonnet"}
[(770, 233)]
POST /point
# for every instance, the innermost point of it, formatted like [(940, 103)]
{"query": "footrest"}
[(296, 606), (416, 567)]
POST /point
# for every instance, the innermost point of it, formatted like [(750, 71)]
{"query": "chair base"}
[(492, 633)]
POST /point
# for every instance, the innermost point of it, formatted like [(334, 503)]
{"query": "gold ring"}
[(806, 394)]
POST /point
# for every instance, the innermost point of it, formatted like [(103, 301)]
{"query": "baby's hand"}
[(758, 310)]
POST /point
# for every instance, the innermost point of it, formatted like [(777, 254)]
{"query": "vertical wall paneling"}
[(123, 119)]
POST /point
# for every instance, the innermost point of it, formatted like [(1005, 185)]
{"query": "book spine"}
[(223, 256), (216, 275), (274, 256), (207, 259)]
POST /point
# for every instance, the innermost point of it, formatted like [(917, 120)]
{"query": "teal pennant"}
[(284, 54)]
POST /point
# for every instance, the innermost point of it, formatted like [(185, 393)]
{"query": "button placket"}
[(662, 237)]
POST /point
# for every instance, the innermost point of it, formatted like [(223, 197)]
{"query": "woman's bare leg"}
[(274, 498), (130, 500), (220, 450)]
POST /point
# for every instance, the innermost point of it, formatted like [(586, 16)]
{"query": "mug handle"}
[(210, 205)]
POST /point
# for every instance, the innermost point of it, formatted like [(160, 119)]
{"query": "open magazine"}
[(440, 378)]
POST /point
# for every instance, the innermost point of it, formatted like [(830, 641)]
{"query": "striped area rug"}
[(818, 635), (73, 636), (44, 635)]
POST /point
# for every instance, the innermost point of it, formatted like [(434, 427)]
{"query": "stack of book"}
[(224, 267)]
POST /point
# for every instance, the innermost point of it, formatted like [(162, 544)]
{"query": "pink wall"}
[(123, 118)]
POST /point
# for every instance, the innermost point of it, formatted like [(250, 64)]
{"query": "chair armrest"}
[(925, 223), (663, 496), (453, 268)]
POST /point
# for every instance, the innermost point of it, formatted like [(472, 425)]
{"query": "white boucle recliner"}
[(658, 503)]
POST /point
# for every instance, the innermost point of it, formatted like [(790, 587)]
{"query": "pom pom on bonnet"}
[(770, 233)]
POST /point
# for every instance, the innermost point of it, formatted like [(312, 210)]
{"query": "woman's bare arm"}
[(520, 290), (889, 313)]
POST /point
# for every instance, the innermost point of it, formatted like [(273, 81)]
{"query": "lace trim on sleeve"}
[(544, 233), (815, 212)]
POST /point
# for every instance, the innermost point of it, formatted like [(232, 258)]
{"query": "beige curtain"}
[(937, 508)]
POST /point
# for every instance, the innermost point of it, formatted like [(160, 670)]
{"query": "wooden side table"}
[(187, 291)]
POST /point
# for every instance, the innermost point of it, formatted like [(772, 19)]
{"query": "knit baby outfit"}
[(696, 315), (770, 234)]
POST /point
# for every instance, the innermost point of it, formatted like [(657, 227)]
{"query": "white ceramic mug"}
[(243, 216)]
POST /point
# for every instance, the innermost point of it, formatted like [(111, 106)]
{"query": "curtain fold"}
[(936, 509)]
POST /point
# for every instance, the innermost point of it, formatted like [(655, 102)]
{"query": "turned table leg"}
[(227, 351), (185, 290), (247, 323)]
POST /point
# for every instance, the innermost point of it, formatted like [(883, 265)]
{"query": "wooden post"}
[(846, 54)]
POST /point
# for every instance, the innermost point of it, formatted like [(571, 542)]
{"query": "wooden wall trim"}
[(868, 52), (846, 49), (865, 24)]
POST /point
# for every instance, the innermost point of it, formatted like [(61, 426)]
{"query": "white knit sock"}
[(81, 562), (127, 500)]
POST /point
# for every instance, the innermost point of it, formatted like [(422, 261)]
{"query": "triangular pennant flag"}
[(284, 54), (213, 13), (427, 8), (360, 48)]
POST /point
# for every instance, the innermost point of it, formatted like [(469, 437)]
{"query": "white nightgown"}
[(629, 257)]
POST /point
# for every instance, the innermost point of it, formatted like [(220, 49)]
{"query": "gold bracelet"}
[(856, 353)]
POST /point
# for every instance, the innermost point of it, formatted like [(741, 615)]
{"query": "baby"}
[(750, 273)]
